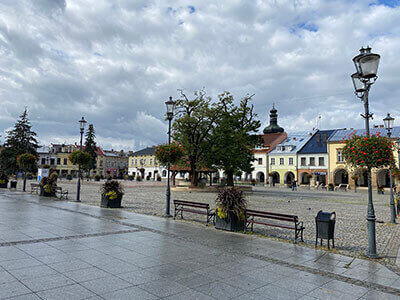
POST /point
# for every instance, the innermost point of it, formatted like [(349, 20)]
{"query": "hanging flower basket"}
[(368, 152), (169, 153)]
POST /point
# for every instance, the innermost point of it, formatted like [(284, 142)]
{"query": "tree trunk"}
[(229, 178), (193, 178)]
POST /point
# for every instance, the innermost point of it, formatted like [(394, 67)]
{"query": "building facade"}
[(115, 163), (143, 163), (340, 173), (313, 159), (283, 158)]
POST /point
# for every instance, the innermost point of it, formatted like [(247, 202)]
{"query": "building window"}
[(151, 161), (101, 164), (339, 155), (281, 161), (43, 161), (260, 161), (312, 161), (272, 161), (58, 161), (65, 161), (321, 161), (291, 161), (136, 162), (52, 161), (303, 161)]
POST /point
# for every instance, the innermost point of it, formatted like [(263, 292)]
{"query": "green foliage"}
[(169, 154), (234, 137), (231, 199), (112, 187), (372, 152), (21, 139), (26, 162), (192, 129), (80, 158), (90, 147)]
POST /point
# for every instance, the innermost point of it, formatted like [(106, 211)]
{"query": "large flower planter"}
[(3, 185), (107, 202), (231, 223), (46, 194)]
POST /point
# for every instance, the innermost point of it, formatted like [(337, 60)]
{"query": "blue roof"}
[(292, 144), (343, 134), (318, 142)]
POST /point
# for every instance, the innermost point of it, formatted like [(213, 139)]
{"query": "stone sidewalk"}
[(63, 250)]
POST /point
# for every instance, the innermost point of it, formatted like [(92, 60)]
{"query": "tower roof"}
[(273, 126)]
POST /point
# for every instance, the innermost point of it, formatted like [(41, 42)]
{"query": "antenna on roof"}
[(318, 123)]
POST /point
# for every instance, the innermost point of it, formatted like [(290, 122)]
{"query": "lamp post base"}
[(374, 256)]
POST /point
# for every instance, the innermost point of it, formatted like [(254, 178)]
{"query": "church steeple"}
[(273, 126)]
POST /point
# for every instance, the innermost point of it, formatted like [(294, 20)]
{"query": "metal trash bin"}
[(325, 227)]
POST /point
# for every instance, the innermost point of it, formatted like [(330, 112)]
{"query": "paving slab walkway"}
[(63, 250)]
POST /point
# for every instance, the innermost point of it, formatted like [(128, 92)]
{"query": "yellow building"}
[(340, 173), (144, 164), (283, 159)]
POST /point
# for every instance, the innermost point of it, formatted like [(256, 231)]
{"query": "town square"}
[(199, 150)]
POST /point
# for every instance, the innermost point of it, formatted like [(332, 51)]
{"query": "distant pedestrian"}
[(294, 186)]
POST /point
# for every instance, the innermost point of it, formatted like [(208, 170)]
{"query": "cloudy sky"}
[(116, 62)]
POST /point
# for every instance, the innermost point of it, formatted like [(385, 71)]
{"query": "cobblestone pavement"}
[(350, 232), (62, 250)]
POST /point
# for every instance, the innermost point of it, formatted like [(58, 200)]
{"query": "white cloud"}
[(116, 62)]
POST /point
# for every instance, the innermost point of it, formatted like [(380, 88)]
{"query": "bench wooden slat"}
[(292, 219), (194, 211), (268, 213), (181, 202)]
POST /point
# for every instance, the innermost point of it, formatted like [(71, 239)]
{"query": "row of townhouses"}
[(312, 157), (307, 157), (108, 162)]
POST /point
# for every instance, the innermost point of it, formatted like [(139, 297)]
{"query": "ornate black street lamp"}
[(170, 115), (82, 124), (389, 122), (366, 64)]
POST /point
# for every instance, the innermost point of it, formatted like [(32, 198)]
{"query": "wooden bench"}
[(193, 207), (60, 193), (253, 217), (341, 187), (35, 188)]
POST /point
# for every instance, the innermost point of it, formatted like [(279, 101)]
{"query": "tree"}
[(234, 137), (91, 147), (192, 129), (19, 140), (80, 158), (26, 162)]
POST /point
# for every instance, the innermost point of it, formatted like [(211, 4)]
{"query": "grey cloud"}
[(116, 62)]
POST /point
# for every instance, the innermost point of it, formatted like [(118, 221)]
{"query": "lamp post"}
[(389, 121), (366, 64), (82, 124), (170, 115)]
